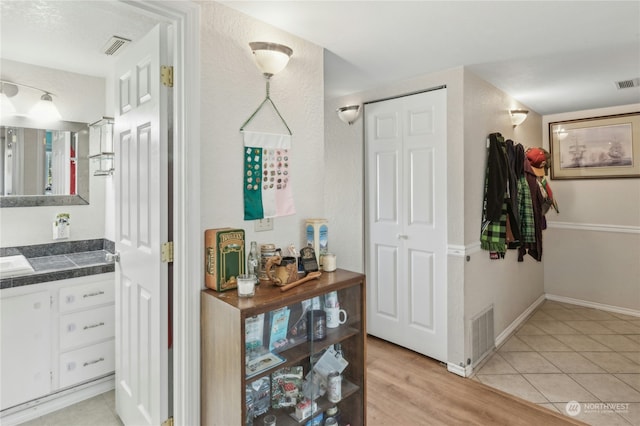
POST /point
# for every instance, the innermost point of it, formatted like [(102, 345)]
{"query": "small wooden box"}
[(224, 258)]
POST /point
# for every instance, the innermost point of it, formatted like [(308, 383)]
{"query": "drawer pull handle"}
[(95, 361), (97, 293), (86, 327)]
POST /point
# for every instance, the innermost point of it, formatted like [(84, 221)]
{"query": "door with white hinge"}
[(406, 221), (141, 182)]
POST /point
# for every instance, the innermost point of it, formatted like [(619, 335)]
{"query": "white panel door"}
[(405, 149), (141, 148)]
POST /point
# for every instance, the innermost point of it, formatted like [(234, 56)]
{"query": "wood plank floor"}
[(406, 388)]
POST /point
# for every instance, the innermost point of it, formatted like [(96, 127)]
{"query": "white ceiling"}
[(552, 56), (67, 34)]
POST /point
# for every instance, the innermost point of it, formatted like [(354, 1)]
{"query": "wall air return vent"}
[(628, 84), (482, 339), (114, 45)]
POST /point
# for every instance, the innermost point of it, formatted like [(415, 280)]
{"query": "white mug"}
[(335, 317)]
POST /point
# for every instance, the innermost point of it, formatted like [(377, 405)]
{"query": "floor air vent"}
[(628, 84), (482, 340)]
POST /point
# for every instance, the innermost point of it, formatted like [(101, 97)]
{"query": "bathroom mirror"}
[(43, 165)]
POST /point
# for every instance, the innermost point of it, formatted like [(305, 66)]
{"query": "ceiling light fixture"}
[(270, 58), (44, 110), (518, 116), (348, 113)]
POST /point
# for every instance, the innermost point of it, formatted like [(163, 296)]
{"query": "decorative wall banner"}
[(267, 177)]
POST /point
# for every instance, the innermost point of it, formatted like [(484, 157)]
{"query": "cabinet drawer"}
[(87, 295), (86, 327), (86, 363)]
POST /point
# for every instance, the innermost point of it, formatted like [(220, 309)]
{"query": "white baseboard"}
[(460, 371), (54, 402), (587, 304), (518, 321)]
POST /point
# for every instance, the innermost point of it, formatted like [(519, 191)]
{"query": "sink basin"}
[(12, 266)]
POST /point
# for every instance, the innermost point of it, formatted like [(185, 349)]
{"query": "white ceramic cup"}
[(335, 317)]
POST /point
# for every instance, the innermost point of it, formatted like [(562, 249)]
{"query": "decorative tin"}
[(224, 258)]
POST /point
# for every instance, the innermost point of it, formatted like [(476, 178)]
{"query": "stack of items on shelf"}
[(268, 335), (517, 197), (226, 266)]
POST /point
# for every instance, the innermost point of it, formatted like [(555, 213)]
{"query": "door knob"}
[(402, 236), (113, 257)]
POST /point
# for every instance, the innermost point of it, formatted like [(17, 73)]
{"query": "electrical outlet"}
[(265, 224)]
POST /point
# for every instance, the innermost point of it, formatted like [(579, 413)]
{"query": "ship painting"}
[(605, 146)]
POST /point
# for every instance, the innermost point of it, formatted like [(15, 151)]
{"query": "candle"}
[(246, 285), (329, 262)]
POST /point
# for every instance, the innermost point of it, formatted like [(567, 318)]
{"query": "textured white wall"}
[(510, 286), (593, 245), (79, 98), (232, 88)]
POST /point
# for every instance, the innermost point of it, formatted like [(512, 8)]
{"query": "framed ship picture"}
[(596, 148)]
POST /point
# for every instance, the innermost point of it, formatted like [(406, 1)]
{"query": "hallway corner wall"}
[(593, 244)]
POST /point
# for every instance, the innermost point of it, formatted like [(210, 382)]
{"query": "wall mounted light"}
[(518, 116), (44, 110), (270, 58), (349, 113), (7, 91)]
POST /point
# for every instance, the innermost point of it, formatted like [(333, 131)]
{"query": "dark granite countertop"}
[(59, 261)]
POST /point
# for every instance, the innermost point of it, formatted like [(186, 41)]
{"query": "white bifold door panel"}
[(406, 226), (141, 176)]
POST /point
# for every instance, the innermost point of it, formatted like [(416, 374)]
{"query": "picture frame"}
[(606, 147)]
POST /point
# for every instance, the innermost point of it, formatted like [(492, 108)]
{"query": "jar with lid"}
[(333, 413)]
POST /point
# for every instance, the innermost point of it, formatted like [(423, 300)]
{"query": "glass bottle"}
[(253, 261)]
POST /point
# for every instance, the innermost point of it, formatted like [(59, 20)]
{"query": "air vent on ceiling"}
[(114, 45), (628, 84)]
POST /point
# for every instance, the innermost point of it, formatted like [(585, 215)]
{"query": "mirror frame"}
[(82, 160)]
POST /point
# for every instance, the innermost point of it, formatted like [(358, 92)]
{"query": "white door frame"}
[(187, 235)]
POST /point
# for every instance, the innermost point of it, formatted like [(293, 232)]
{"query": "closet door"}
[(405, 149)]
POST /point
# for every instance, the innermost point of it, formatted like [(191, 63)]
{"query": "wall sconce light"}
[(270, 58), (518, 116), (349, 113), (7, 90), (44, 110)]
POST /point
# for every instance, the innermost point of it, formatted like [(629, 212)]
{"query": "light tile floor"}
[(566, 353), (97, 411)]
